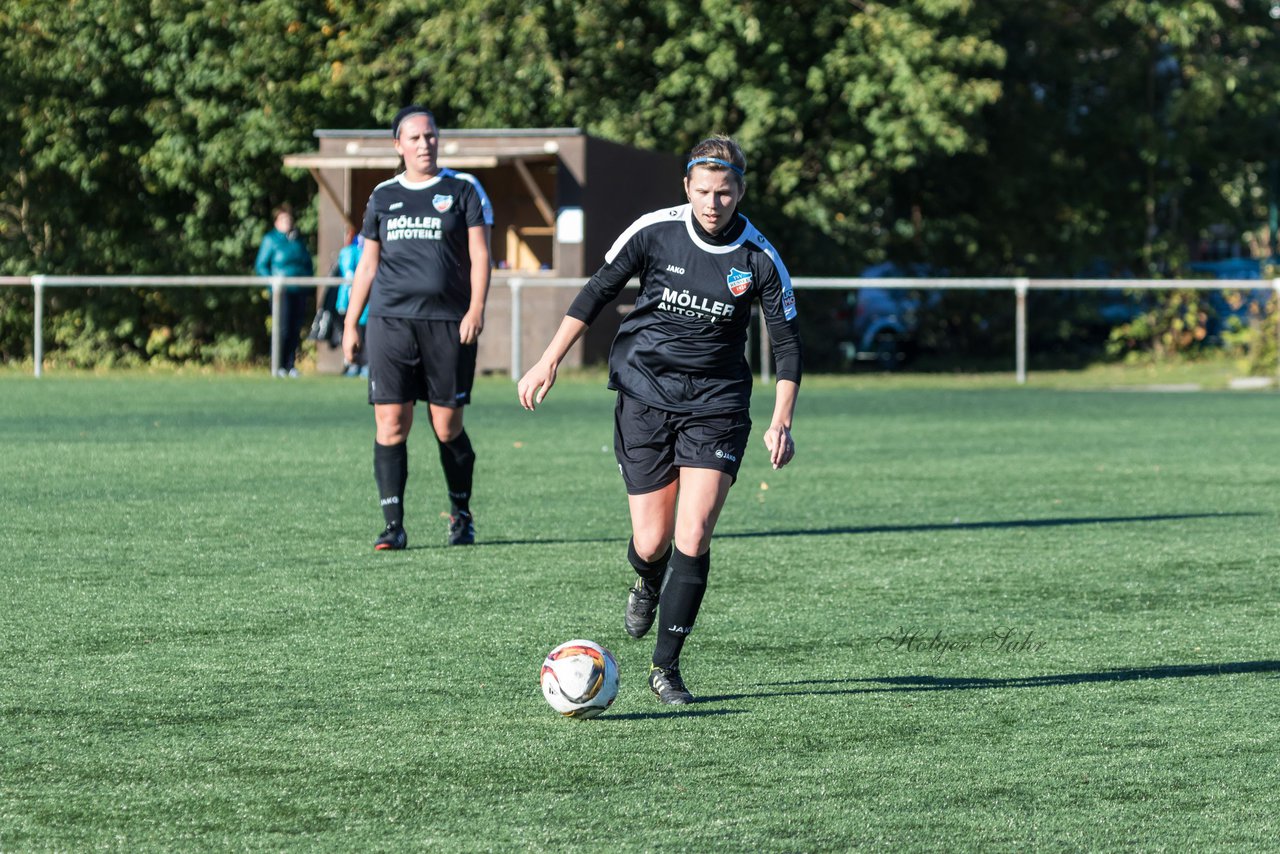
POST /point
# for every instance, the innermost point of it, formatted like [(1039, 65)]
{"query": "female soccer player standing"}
[(684, 386), (424, 272)]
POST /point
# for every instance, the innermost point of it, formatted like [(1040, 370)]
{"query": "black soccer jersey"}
[(424, 266), (683, 347)]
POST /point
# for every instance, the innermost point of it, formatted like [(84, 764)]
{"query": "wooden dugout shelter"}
[(560, 198)]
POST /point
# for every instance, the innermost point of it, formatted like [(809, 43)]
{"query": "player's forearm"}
[(788, 357), (362, 282), (784, 403), (359, 296), (571, 329), (481, 265), (600, 290), (479, 289)]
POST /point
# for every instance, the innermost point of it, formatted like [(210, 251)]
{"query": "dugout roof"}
[(560, 196)]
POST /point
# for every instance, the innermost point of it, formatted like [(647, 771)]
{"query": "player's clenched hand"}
[(350, 343), (470, 327), (782, 448), (534, 385)]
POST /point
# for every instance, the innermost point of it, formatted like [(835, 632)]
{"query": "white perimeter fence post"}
[(37, 333), (1275, 283), (1020, 333), (517, 358), (275, 325)]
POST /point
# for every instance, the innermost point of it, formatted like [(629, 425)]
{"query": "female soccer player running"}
[(679, 366)]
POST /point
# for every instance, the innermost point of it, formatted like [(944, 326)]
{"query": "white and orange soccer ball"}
[(580, 678)]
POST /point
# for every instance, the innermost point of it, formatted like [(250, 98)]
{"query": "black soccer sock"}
[(678, 605), (459, 462), (650, 570), (391, 471)]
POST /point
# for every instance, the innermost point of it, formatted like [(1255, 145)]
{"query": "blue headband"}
[(695, 161)]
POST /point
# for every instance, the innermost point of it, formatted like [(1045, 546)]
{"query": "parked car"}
[(881, 327), (882, 322)]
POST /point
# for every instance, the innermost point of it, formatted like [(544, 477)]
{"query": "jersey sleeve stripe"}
[(485, 206), (784, 276), (788, 295), (664, 215)]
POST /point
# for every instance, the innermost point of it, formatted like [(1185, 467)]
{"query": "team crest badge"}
[(442, 203), (739, 281)]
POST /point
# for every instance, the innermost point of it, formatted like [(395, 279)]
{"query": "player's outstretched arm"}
[(539, 379), (782, 448)]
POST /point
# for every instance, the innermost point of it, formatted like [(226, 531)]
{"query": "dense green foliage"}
[(201, 651), (1000, 138)]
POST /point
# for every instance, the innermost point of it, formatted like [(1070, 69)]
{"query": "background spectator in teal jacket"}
[(283, 253), (348, 260)]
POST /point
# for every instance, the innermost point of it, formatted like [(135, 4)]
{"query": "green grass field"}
[(969, 617)]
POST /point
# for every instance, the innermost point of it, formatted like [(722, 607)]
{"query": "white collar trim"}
[(418, 185), (710, 247)]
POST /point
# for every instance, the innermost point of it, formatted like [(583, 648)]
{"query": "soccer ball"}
[(580, 678)]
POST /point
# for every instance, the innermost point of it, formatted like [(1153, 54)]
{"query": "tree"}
[(988, 138), (830, 101), (1125, 130), (146, 138)]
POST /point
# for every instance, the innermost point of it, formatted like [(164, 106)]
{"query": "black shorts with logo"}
[(412, 359), (652, 445)]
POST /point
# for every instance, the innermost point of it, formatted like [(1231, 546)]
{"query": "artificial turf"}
[(966, 618)]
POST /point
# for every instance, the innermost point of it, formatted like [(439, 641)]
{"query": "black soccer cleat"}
[(392, 538), (642, 607), (462, 529), (669, 687)]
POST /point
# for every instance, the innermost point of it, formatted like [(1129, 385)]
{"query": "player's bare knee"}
[(447, 434), (694, 542), (447, 423), (652, 546), (391, 430)]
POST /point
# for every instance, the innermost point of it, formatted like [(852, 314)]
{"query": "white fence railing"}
[(1020, 287), (277, 284)]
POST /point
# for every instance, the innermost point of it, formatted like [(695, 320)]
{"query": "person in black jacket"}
[(679, 366), (424, 274)]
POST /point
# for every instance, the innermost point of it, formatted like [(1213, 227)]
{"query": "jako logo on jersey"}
[(725, 455), (395, 206), (442, 203), (739, 281), (672, 268)]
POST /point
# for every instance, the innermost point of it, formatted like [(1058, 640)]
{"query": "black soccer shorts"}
[(652, 445), (411, 359)]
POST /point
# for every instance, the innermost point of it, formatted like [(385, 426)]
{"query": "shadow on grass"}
[(682, 712), (891, 684), (982, 526), (920, 528)]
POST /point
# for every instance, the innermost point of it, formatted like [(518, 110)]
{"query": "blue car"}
[(883, 321)]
